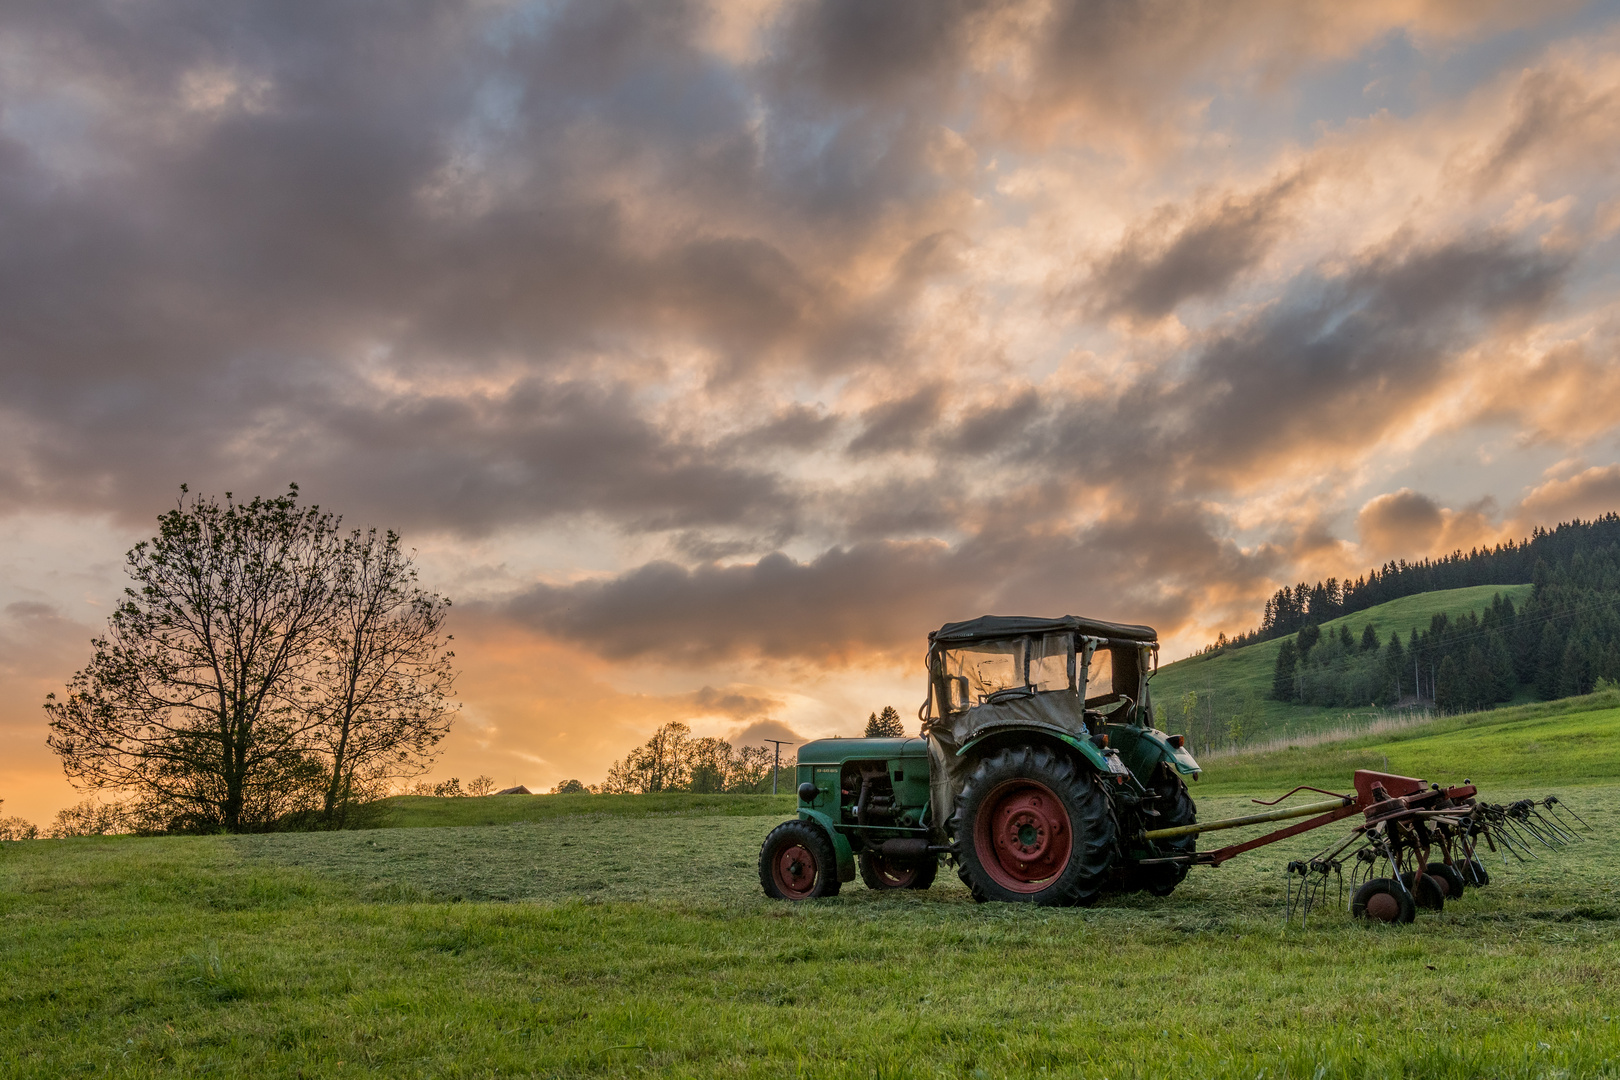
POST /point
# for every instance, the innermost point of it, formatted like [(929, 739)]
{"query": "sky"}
[(710, 355)]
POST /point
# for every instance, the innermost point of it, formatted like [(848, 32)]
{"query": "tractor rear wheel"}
[(1383, 900), (1032, 827), (797, 862), (882, 873), (1176, 807)]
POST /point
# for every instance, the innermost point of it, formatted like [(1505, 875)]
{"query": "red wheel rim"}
[(893, 876), (1022, 836), (794, 869), (1383, 907)]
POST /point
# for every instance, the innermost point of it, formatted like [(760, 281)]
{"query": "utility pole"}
[(776, 766)]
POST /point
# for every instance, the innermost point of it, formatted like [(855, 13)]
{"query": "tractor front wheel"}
[(1030, 826), (883, 873), (798, 863)]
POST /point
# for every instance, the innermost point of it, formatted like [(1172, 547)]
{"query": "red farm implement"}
[(1416, 845)]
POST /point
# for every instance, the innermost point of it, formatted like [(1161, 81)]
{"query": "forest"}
[(1512, 563), (1563, 640)]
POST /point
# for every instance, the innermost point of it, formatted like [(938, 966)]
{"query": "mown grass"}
[(637, 943), (406, 811), (1243, 676)]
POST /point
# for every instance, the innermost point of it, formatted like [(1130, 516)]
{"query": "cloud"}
[(1588, 494), (1172, 258), (728, 333)]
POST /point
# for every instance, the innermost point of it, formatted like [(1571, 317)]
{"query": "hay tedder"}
[(1041, 776)]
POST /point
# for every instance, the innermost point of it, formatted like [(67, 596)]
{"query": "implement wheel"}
[(1031, 827), (1429, 893), (797, 862), (1383, 900), (1451, 882), (1473, 872), (881, 873)]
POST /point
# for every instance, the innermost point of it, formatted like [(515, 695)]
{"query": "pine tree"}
[(1574, 667), (1395, 665), (1549, 655), (1282, 678), (1503, 679), (1479, 683), (1448, 684), (1369, 639), (1308, 636), (885, 725)]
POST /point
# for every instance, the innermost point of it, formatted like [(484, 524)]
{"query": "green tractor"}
[(1037, 774)]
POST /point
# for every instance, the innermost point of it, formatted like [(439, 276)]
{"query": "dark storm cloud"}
[(1335, 362), (863, 53), (251, 205), (882, 597), (897, 424), (1175, 257)]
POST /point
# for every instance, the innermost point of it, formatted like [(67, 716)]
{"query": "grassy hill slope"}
[(1572, 741), (1238, 681)]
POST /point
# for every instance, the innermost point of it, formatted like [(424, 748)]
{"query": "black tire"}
[(1448, 875), (1425, 890), (1176, 807), (1474, 873), (1043, 809), (1382, 900), (797, 862), (882, 874)]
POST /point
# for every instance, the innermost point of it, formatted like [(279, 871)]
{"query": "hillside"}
[(1235, 683), (1544, 745)]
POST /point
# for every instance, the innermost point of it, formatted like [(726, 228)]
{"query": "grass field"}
[(626, 939), (1241, 678)]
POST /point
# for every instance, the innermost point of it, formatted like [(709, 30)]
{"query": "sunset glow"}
[(711, 355)]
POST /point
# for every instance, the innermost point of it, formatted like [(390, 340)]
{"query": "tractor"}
[(1039, 773)]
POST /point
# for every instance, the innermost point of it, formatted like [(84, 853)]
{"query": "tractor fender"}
[(840, 842), (1145, 748), (1100, 760)]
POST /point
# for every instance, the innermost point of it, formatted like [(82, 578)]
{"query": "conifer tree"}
[(1549, 656), (1448, 684), (885, 725), (1282, 678), (1395, 664)]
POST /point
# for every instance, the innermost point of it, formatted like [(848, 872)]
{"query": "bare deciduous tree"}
[(261, 665), (384, 681), (193, 698), (16, 828)]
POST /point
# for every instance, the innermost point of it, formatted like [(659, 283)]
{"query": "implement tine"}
[(1553, 802), (1556, 827), (1497, 833)]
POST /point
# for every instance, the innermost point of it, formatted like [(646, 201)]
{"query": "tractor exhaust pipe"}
[(1250, 819)]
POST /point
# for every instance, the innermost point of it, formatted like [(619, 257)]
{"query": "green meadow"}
[(1239, 680), (581, 936)]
